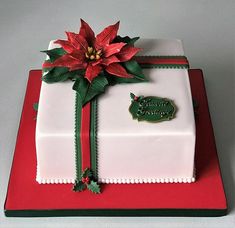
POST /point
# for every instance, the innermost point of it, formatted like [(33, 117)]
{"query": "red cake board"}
[(27, 198)]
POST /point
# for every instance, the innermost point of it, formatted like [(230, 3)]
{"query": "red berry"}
[(136, 98), (86, 180)]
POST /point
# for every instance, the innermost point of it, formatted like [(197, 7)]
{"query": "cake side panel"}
[(55, 133), (55, 160), (147, 159)]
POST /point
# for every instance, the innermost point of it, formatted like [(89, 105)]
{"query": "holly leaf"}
[(132, 95), (79, 186), (55, 53), (35, 106), (94, 187), (87, 173)]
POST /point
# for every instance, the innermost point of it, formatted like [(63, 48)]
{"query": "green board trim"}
[(93, 137), (118, 212), (77, 141)]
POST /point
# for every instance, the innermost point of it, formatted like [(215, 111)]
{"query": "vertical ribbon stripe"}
[(93, 137), (85, 137), (78, 155)]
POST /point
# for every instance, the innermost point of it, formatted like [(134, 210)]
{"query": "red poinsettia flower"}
[(94, 53)]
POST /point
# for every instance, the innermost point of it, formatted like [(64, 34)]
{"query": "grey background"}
[(208, 31)]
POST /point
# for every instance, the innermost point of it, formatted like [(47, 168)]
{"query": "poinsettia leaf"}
[(57, 74), (125, 39), (94, 187), (133, 40), (55, 53), (96, 87), (134, 68), (81, 85), (87, 173), (79, 186)]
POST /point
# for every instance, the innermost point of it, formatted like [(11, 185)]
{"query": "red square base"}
[(205, 197)]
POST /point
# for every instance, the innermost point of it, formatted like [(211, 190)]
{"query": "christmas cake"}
[(114, 109)]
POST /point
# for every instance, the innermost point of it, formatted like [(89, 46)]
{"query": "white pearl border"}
[(118, 180), (146, 180)]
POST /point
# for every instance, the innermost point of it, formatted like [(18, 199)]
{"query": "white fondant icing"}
[(128, 151)]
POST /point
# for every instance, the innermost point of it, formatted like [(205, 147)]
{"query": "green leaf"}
[(125, 39), (134, 68), (35, 106), (57, 74), (88, 90), (55, 53), (79, 186), (87, 173), (132, 95), (96, 87), (81, 85), (133, 40), (94, 187)]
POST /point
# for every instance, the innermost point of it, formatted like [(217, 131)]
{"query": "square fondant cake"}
[(126, 150)]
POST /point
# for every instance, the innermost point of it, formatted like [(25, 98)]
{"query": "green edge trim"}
[(167, 66), (93, 137), (118, 212), (78, 154)]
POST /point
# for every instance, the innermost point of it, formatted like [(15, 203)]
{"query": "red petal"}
[(127, 53), (66, 45), (111, 49), (72, 39), (82, 42), (96, 62), (64, 61), (78, 54), (87, 32), (92, 72), (109, 60), (106, 36), (78, 41), (78, 66), (117, 70)]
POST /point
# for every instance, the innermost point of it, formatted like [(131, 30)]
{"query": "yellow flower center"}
[(92, 54)]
